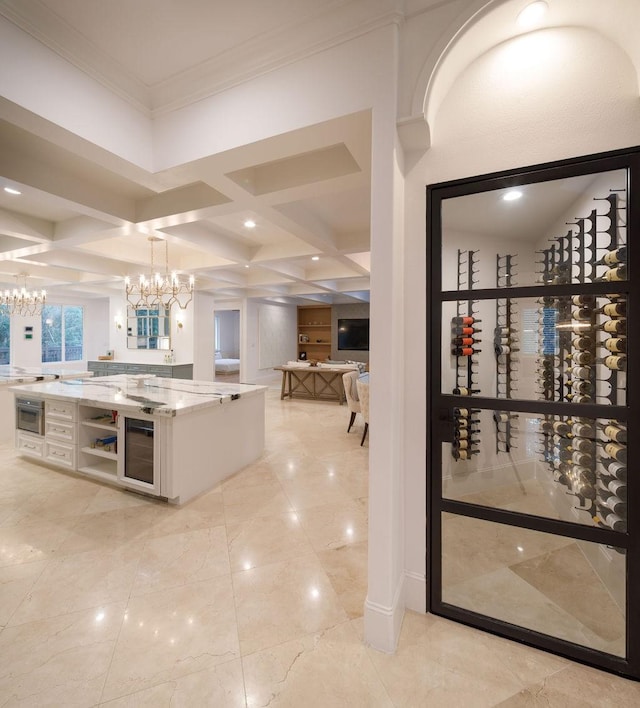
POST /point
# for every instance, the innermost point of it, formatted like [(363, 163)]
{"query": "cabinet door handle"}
[(29, 447)]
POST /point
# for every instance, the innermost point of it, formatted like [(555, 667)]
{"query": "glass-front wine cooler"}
[(533, 495)]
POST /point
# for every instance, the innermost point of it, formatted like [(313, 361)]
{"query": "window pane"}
[(571, 230), (574, 469), (573, 590), (5, 336), (73, 333), (51, 333)]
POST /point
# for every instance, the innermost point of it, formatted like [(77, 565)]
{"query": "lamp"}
[(118, 321), (158, 290), (21, 301)]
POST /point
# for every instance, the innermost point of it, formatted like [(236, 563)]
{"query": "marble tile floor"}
[(251, 595)]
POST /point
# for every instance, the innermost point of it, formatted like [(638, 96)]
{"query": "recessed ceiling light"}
[(532, 14), (512, 195), (11, 190), (246, 265), (315, 258), (250, 224)]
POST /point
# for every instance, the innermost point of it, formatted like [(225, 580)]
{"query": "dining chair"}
[(350, 391), (363, 395)]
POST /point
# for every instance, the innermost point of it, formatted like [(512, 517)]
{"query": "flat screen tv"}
[(353, 334)]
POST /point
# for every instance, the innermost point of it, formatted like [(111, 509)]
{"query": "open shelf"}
[(100, 453), (101, 470), (101, 426)]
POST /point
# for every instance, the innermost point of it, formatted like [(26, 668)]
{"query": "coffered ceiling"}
[(79, 227)]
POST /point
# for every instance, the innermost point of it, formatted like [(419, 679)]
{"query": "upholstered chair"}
[(350, 391), (363, 395)]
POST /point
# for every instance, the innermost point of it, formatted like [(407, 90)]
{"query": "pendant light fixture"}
[(21, 301), (159, 290)]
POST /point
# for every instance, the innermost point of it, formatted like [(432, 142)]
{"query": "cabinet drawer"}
[(60, 454), (30, 445), (60, 430), (137, 368), (60, 410)]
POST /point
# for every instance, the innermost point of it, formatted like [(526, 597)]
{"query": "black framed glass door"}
[(531, 526)]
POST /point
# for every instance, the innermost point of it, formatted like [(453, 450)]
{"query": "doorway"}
[(227, 345), (531, 532)]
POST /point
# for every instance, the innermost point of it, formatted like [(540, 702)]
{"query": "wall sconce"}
[(179, 321), (118, 321)]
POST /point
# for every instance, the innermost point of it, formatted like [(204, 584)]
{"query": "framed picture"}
[(303, 339)]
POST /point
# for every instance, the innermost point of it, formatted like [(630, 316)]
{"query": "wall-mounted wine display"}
[(465, 338), (506, 348), (589, 458)]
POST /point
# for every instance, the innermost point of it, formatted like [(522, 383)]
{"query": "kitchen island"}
[(170, 438), (13, 375)]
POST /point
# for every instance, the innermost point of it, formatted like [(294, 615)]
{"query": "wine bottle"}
[(501, 332), (586, 474), (561, 427), (582, 458), (613, 521), (504, 417), (462, 391), (583, 445), (464, 351), (464, 331), (614, 326), (582, 313), (466, 320), (616, 274), (617, 452), (463, 341), (613, 432), (463, 454), (581, 386), (616, 363), (582, 343), (503, 349), (465, 412), (465, 433), (614, 309), (581, 372), (578, 398), (584, 430), (614, 468), (586, 491), (617, 345), (618, 488), (584, 300), (615, 504), (619, 255)]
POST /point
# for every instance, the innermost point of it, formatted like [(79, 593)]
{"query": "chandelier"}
[(157, 290), (21, 301)]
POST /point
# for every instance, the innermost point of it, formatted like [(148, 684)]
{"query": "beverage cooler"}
[(533, 530)]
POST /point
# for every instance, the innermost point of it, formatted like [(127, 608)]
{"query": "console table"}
[(313, 382)]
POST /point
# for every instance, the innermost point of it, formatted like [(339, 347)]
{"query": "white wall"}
[(28, 352), (511, 107)]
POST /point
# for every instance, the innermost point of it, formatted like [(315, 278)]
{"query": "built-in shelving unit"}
[(96, 425), (314, 332)]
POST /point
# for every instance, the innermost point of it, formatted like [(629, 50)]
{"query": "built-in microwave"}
[(30, 415)]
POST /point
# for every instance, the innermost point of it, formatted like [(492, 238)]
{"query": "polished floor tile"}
[(253, 593)]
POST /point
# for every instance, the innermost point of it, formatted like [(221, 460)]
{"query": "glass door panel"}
[(556, 467), (531, 526), (569, 589)]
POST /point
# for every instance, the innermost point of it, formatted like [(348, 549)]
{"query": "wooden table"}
[(313, 382)]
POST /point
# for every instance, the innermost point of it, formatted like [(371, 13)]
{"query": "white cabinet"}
[(29, 444), (60, 429), (98, 443)]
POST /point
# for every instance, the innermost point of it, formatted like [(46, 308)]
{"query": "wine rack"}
[(582, 359), (464, 341), (505, 344)]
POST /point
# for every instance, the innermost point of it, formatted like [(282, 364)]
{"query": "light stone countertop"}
[(29, 374), (149, 394)]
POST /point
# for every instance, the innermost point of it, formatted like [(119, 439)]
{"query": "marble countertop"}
[(148, 394), (30, 374)]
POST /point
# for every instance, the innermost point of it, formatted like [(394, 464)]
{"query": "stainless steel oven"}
[(30, 415)]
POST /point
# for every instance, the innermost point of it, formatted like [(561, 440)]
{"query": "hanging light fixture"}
[(21, 301), (158, 290)]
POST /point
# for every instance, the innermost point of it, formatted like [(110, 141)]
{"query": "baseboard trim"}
[(382, 623), (415, 591)]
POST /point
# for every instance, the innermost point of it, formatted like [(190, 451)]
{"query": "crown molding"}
[(333, 24)]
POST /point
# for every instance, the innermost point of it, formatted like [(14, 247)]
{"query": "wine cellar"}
[(531, 524)]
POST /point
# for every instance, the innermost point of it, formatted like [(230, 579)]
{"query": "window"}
[(62, 333), (5, 336)]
